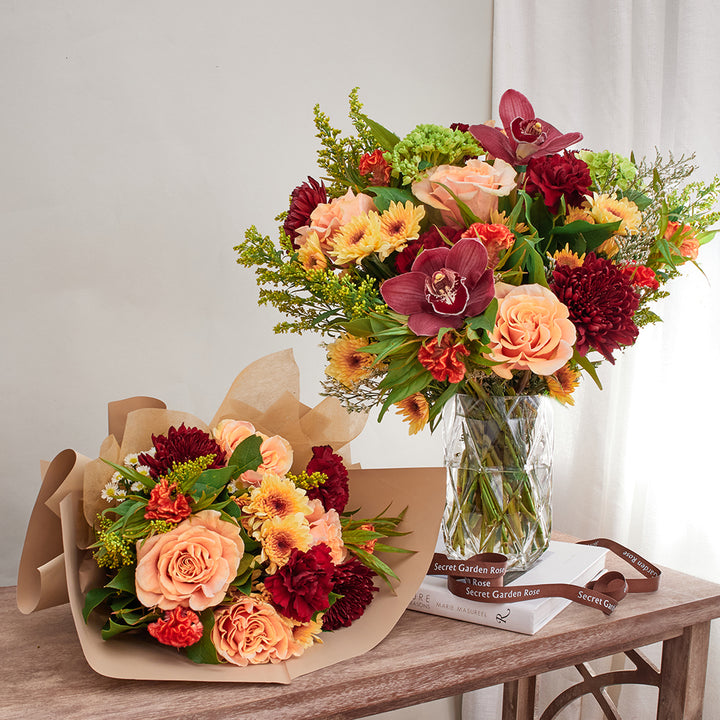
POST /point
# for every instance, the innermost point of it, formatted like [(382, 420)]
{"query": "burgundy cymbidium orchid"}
[(525, 135), (444, 286)]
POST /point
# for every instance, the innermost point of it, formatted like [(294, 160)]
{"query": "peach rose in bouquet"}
[(532, 331), (191, 565), (477, 184)]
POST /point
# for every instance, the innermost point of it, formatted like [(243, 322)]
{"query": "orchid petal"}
[(481, 295), (430, 261), (468, 258), (514, 104), (426, 324), (559, 142), (405, 293), (494, 141)]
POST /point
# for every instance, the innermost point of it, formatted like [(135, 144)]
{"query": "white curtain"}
[(635, 461)]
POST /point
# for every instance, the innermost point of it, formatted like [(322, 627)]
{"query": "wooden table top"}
[(425, 657)]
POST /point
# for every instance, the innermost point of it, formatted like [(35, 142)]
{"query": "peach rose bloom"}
[(230, 433), (316, 510), (191, 566), (277, 458), (251, 632), (478, 184), (327, 529), (327, 218), (532, 331)]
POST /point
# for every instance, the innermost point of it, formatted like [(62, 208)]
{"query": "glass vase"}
[(498, 454)]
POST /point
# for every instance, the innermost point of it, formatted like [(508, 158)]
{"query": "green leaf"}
[(94, 598), (112, 628), (124, 580), (385, 195), (361, 327), (210, 483), (581, 236), (587, 366), (203, 651), (247, 455), (639, 198), (385, 138), (468, 216), (486, 321), (132, 475)]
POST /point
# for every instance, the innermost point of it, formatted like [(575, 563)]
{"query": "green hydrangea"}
[(427, 146), (608, 169)]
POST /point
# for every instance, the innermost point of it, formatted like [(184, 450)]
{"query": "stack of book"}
[(562, 562)]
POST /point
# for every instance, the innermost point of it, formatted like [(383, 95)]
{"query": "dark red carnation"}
[(375, 165), (303, 200), (302, 586), (553, 176), (442, 360), (601, 302), (178, 446), (432, 238), (354, 581), (166, 503), (334, 492), (462, 127), (179, 627)]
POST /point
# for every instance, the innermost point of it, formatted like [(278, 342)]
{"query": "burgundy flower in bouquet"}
[(444, 286), (302, 587), (334, 492), (303, 200), (181, 445), (525, 135), (555, 176), (601, 302), (353, 581)]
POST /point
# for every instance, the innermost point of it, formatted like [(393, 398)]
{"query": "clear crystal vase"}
[(498, 454)]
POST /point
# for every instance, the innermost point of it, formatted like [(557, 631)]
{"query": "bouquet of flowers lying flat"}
[(475, 259), (215, 547), (250, 543)]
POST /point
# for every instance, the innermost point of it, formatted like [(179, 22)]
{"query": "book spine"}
[(506, 616)]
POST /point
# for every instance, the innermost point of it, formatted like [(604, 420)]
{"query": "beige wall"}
[(139, 140)]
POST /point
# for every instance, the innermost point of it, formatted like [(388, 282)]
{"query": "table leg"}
[(682, 674), (519, 699)]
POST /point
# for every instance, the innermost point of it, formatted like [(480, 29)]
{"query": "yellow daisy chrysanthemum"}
[(347, 363), (562, 384), (275, 497), (279, 536), (399, 223), (567, 257), (306, 634), (608, 209), (579, 213), (310, 254), (498, 217), (415, 411), (357, 239)]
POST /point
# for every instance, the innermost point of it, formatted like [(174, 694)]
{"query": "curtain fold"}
[(634, 461)]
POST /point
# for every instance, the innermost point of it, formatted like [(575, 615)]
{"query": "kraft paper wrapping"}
[(56, 567)]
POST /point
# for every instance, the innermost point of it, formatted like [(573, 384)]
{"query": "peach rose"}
[(230, 433), (191, 566), (326, 218), (277, 455), (532, 331), (251, 632), (328, 530), (478, 184)]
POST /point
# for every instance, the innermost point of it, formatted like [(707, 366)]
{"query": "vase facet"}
[(498, 454)]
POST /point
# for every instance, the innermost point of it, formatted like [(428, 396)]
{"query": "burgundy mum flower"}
[(303, 200), (553, 176), (444, 286), (601, 302), (178, 446), (334, 492), (432, 238), (354, 581), (524, 135), (302, 586)]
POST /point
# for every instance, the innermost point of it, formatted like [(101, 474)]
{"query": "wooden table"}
[(424, 658)]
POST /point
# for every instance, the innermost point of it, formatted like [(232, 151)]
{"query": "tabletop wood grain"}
[(424, 658)]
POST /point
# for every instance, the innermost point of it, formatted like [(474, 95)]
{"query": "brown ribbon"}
[(480, 578)]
